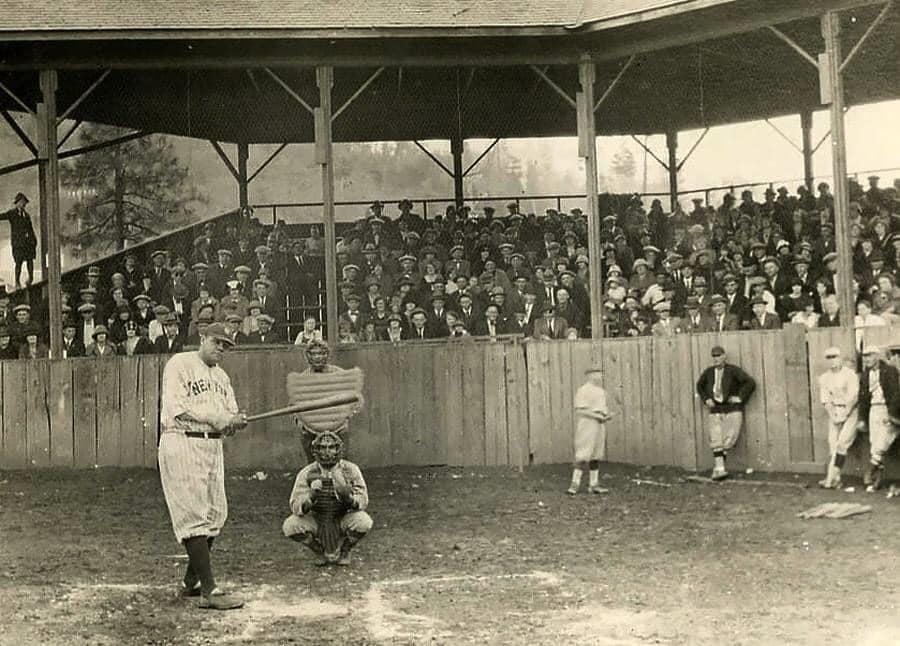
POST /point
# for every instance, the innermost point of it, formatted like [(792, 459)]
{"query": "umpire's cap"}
[(217, 331), (717, 351)]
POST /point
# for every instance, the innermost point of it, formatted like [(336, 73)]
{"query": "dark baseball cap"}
[(218, 332), (717, 351)]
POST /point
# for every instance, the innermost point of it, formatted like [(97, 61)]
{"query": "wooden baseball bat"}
[(308, 405)]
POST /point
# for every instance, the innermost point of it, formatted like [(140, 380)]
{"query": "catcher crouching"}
[(328, 502)]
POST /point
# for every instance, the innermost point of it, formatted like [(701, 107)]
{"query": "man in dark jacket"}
[(170, 342), (21, 237), (724, 389), (879, 408)]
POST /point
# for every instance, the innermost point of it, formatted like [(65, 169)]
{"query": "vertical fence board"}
[(798, 433), (680, 377), (616, 428), (643, 378), (37, 414), (517, 405), (538, 402), (131, 445), (662, 443), (84, 387), (495, 418), (452, 394), (62, 450), (150, 407), (15, 422), (473, 405), (562, 396), (778, 431), (701, 344), (108, 418), (443, 404), (632, 400)]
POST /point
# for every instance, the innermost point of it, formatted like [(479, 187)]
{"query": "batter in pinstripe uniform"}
[(198, 409)]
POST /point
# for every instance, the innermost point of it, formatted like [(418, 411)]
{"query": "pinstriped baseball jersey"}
[(203, 392)]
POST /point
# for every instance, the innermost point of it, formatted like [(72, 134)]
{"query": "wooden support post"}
[(50, 193), (587, 149), (672, 145), (456, 149), (833, 91), (243, 182), (42, 201), (325, 158), (806, 124)]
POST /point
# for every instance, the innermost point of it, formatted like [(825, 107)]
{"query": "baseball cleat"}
[(718, 475), (218, 600), (186, 591), (571, 491)]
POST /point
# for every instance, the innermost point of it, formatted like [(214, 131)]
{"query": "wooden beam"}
[(6, 170), (784, 136), (672, 167), (353, 97), (290, 91), (69, 133), (15, 98), (268, 161), (650, 152), (49, 155), (16, 128), (457, 146), (556, 88), (325, 158), (806, 125), (431, 156), (693, 148), (587, 137), (83, 96), (614, 82), (481, 156), (875, 23), (795, 46), (242, 180), (225, 160), (831, 31)]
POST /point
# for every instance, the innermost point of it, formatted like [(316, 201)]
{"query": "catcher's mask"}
[(317, 353), (327, 448)]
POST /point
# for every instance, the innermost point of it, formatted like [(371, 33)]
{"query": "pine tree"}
[(127, 193)]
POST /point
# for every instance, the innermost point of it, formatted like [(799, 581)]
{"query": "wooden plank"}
[(15, 442), (418, 405), (361, 425), (84, 390), (701, 344), (443, 406), (799, 435), (150, 407), (37, 414), (62, 447), (680, 373), (562, 395), (756, 418), (778, 423), (662, 360), (473, 409), (633, 412), (108, 416), (131, 445), (495, 420), (611, 360), (538, 365), (517, 405), (642, 379), (379, 369)]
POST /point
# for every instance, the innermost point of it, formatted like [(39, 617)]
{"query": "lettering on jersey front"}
[(198, 387)]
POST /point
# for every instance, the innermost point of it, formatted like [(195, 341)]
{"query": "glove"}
[(341, 487)]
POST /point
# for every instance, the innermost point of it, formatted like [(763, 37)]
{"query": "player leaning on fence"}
[(724, 389), (879, 408), (838, 393)]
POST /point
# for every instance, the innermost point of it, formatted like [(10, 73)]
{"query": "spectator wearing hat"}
[(142, 314), (720, 319), (457, 264), (666, 324), (89, 321), (220, 272), (204, 319), (761, 318), (396, 330), (568, 310), (352, 315), (170, 342), (133, 273), (159, 277), (71, 346), (267, 303), (491, 324), (156, 328), (735, 301), (831, 316), (807, 315), (694, 320), (22, 238), (266, 334), (8, 349), (134, 343), (101, 347), (879, 410), (437, 316), (724, 389), (311, 331), (32, 346), (642, 277), (418, 325), (234, 301)]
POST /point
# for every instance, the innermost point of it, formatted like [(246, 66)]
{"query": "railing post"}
[(50, 190)]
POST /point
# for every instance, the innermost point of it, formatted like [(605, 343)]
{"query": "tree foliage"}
[(126, 193)]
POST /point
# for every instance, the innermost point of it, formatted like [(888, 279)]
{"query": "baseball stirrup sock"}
[(576, 477), (198, 553), (839, 460), (594, 477)]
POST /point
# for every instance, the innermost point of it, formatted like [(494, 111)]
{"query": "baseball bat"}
[(306, 406)]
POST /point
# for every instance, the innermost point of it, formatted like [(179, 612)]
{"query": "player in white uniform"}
[(198, 409), (591, 414)]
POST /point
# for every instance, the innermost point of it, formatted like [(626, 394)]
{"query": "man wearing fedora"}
[(22, 238)]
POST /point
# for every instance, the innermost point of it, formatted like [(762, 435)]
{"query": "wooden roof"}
[(699, 63)]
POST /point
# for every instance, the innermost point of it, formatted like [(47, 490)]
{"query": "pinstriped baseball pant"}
[(192, 471)]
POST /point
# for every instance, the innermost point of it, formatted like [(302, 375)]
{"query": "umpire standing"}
[(22, 238), (724, 389)]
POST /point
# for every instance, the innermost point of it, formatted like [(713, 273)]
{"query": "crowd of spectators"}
[(741, 264)]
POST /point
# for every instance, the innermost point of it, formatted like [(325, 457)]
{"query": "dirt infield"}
[(458, 556)]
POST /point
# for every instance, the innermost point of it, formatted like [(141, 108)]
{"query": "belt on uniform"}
[(213, 435)]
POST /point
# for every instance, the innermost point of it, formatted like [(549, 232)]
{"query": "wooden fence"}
[(473, 404)]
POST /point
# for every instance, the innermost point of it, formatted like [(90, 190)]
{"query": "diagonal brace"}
[(16, 128), (556, 88), (83, 96), (355, 95), (224, 158), (15, 98), (433, 158), (287, 88), (795, 46), (68, 134), (481, 156), (268, 161), (614, 83), (875, 23), (650, 152), (784, 136), (693, 148)]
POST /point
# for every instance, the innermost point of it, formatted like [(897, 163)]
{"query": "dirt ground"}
[(457, 557)]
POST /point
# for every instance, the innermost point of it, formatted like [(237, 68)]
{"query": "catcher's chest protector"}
[(328, 511)]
